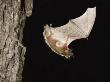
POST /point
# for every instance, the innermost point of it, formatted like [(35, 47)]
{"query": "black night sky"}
[(91, 62)]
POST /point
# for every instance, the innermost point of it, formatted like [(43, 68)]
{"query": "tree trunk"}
[(12, 20)]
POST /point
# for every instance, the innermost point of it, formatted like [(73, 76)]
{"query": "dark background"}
[(91, 62)]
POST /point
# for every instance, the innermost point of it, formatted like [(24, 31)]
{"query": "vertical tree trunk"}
[(12, 20)]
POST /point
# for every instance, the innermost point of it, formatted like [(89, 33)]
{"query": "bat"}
[(59, 38)]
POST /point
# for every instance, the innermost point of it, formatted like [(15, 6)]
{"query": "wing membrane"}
[(75, 29)]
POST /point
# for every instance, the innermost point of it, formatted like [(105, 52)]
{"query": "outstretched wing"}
[(59, 38), (86, 21)]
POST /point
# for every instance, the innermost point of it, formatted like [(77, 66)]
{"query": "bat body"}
[(59, 38)]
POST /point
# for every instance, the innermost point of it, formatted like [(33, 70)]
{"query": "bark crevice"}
[(12, 21)]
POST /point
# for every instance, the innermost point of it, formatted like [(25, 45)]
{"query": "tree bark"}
[(12, 20)]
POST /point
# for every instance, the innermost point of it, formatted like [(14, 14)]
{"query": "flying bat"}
[(58, 38)]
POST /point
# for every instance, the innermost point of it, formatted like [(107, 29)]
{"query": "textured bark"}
[(12, 20)]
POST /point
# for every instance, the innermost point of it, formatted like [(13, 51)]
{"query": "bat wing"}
[(86, 21), (59, 38), (79, 27)]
